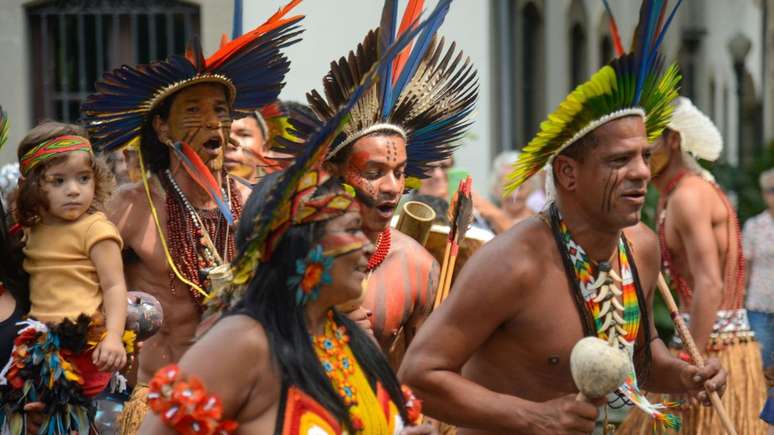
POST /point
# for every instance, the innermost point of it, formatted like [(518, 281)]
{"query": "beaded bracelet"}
[(185, 406), (413, 406)]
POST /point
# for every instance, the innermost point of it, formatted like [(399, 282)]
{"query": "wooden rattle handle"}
[(690, 345)]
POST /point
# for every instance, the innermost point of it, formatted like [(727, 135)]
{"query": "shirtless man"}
[(512, 320), (701, 248), (494, 359), (175, 224), (147, 268), (401, 288), (400, 129)]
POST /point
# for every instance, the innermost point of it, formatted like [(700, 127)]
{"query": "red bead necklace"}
[(383, 243), (186, 235), (734, 269)]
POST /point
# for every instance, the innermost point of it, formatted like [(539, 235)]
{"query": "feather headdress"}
[(292, 199), (426, 95), (698, 135), (636, 83), (252, 69)]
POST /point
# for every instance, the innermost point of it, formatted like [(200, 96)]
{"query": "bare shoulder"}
[(517, 256), (244, 191), (409, 247), (693, 193), (645, 248), (643, 240), (241, 335)]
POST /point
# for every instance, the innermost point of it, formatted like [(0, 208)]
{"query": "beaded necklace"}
[(197, 237), (615, 321), (383, 244), (348, 380), (734, 269)]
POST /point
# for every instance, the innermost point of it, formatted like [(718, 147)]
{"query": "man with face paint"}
[(177, 224), (250, 153), (495, 358), (701, 250), (391, 138)]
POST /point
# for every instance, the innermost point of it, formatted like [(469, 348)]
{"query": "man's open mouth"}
[(212, 144)]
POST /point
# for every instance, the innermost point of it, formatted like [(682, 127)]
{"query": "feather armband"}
[(184, 404)]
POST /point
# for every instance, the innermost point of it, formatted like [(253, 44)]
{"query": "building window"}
[(531, 80), (73, 42), (577, 35)]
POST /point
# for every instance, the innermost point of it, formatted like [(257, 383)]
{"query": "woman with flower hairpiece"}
[(302, 365), (303, 368)]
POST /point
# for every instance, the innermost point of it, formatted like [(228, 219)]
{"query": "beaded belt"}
[(731, 326)]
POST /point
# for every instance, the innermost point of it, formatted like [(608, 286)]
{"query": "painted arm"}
[(701, 250), (106, 257)]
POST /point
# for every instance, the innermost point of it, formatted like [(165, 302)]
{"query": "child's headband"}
[(52, 148)]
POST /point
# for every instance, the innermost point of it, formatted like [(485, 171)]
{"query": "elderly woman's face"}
[(345, 241)]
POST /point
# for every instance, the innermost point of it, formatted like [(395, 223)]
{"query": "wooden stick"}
[(442, 275), (690, 345), (450, 273)]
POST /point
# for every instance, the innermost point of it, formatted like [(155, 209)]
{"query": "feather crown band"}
[(698, 134), (291, 200), (636, 83), (51, 148), (427, 94), (251, 68)]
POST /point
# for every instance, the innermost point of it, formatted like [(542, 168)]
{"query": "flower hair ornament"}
[(635, 83), (312, 272)]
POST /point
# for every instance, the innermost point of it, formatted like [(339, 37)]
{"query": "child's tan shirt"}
[(63, 280)]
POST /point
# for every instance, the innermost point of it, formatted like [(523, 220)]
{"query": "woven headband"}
[(52, 148)]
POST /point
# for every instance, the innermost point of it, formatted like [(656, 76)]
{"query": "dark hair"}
[(579, 149), (155, 154), (271, 302), (12, 274), (343, 154), (29, 197)]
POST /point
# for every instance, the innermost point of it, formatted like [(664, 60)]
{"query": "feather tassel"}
[(199, 172)]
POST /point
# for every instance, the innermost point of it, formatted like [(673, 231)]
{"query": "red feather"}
[(619, 50), (410, 16), (226, 51), (271, 110), (660, 22), (203, 177)]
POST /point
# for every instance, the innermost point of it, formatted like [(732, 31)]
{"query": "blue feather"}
[(224, 208), (236, 31), (433, 22), (651, 16), (387, 28), (668, 22)]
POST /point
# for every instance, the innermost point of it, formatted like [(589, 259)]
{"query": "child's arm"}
[(106, 256)]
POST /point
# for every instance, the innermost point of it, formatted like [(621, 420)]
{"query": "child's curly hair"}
[(30, 198)]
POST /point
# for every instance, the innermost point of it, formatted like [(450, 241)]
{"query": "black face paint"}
[(392, 151), (610, 186)]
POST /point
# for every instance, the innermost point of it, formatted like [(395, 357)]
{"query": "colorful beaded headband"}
[(53, 148)]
